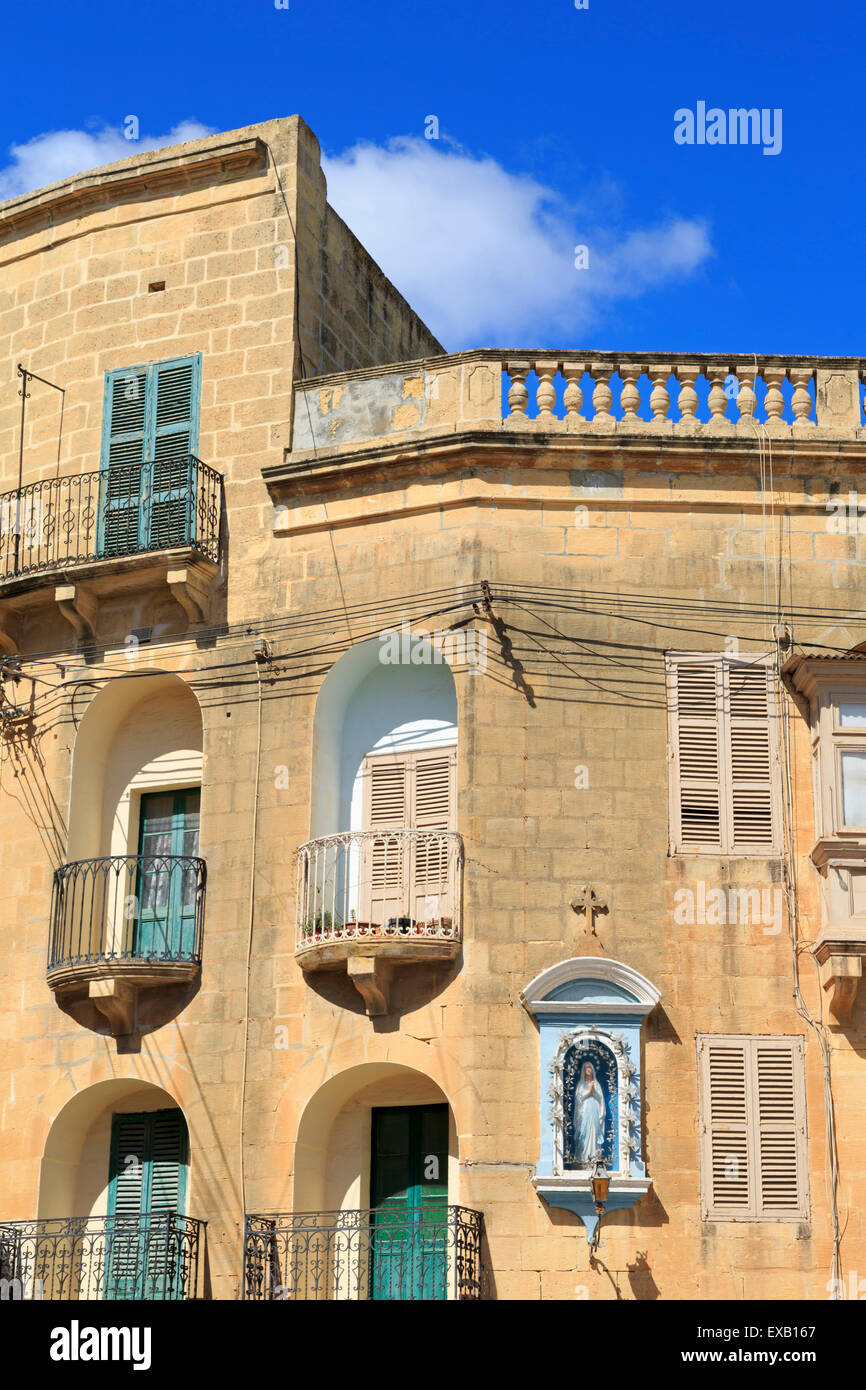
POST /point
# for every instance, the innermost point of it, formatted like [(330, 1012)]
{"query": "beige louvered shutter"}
[(696, 799), (383, 888), (750, 735), (753, 1129), (726, 1149), (433, 808), (780, 1128)]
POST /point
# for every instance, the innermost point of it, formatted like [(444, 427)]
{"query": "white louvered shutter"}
[(404, 876), (383, 862), (781, 1129), (753, 1129), (697, 800), (434, 788), (724, 756), (725, 1140), (751, 742)]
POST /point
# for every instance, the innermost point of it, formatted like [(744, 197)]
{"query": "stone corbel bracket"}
[(190, 586), (79, 607), (840, 966), (115, 1000), (371, 977), (8, 627)]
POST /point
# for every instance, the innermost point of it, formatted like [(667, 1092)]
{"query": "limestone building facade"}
[(430, 782)]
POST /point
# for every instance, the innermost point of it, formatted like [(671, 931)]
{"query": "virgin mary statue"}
[(588, 1117)]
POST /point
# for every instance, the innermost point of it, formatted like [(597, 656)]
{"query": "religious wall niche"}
[(590, 1012)]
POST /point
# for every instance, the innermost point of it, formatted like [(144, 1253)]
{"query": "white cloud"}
[(482, 254), (485, 255), (57, 154)]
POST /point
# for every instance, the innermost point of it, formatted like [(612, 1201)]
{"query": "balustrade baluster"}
[(630, 395), (660, 399), (718, 423), (546, 370), (573, 396), (747, 401), (801, 403), (774, 401), (518, 394), (602, 398), (687, 374)]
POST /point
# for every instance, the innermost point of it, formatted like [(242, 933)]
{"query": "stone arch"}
[(321, 1089), (362, 699), (137, 732), (73, 1175), (333, 1147)]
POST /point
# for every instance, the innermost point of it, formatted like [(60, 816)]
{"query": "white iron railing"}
[(380, 884)]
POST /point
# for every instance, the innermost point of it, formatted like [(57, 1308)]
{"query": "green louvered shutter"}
[(126, 1201), (148, 1168), (168, 1158), (175, 425), (125, 421), (150, 432)]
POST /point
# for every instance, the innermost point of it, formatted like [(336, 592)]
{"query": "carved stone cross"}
[(589, 903)]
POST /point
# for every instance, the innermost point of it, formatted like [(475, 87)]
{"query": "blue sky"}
[(556, 129)]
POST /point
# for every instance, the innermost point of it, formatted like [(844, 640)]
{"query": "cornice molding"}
[(535, 997), (151, 171)]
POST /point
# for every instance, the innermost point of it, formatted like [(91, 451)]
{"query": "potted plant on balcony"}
[(400, 926), (364, 928), (435, 925), (321, 921)]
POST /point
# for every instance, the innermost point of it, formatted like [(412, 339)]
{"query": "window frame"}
[(749, 1042), (726, 849), (841, 740), (148, 493)]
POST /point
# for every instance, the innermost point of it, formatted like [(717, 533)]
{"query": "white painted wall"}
[(138, 734), (364, 704)]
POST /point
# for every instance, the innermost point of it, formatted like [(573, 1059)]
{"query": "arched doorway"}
[(114, 1193), (376, 1198)]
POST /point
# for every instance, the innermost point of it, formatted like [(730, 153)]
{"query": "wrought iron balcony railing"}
[(127, 908), (153, 1256), (380, 884), (123, 511), (418, 1253)]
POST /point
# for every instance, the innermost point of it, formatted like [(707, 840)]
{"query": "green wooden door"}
[(166, 891), (409, 1197), (149, 433), (147, 1183)]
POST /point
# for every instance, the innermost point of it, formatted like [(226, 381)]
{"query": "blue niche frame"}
[(590, 1009)]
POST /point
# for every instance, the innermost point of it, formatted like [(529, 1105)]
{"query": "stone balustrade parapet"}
[(661, 395)]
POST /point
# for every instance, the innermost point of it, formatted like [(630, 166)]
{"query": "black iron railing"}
[(128, 510), (127, 907), (381, 1255), (152, 1256)]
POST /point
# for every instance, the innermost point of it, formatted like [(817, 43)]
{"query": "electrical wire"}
[(252, 897), (788, 866)]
